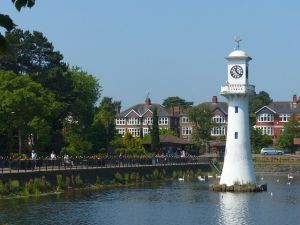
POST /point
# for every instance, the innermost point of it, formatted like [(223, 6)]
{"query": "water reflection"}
[(234, 208), (167, 203)]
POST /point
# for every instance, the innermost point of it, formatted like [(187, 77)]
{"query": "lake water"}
[(168, 203)]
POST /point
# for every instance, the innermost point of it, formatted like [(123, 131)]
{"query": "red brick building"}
[(272, 118)]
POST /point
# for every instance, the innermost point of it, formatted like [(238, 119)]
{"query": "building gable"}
[(218, 111), (148, 113), (132, 114), (265, 109)]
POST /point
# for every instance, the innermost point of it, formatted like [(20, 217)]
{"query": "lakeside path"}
[(263, 164), (34, 166)]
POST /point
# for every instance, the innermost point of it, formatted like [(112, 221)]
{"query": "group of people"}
[(67, 160)]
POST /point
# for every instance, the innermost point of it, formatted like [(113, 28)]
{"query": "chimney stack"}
[(295, 100), (214, 99), (118, 109), (147, 101)]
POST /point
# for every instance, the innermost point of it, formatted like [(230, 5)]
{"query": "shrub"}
[(59, 183), (119, 178), (126, 178), (174, 174), (13, 186), (78, 181), (2, 187), (155, 175), (98, 182)]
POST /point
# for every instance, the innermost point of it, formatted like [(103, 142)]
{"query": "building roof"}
[(238, 54), (223, 106), (141, 109), (282, 107)]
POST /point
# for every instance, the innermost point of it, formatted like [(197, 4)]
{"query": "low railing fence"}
[(23, 165)]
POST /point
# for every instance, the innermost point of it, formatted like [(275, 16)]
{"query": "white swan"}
[(210, 176), (290, 176), (201, 178), (277, 180), (289, 183), (181, 178)]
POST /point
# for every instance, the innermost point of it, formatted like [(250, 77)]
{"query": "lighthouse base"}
[(238, 187)]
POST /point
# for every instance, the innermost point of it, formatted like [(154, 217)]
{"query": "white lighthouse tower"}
[(238, 165)]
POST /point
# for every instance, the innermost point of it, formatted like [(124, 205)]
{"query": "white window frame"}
[(284, 117), (185, 119), (121, 131), (135, 132), (265, 117), (120, 121), (163, 120), (218, 131), (146, 131), (267, 130), (187, 131), (133, 121), (219, 119), (147, 120)]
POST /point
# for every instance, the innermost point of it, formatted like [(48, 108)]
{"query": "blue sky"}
[(171, 47)]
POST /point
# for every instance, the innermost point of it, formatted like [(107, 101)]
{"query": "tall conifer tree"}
[(155, 132)]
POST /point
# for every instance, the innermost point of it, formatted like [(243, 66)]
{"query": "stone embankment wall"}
[(277, 168), (90, 175)]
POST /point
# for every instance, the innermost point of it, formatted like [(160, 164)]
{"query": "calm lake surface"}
[(169, 203)]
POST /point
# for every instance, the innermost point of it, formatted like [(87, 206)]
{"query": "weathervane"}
[(148, 94), (237, 39)]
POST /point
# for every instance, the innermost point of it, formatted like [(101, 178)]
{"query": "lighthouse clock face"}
[(236, 71)]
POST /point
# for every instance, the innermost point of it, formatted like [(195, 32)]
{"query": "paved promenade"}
[(14, 166)]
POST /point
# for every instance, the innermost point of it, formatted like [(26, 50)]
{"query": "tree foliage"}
[(201, 117), (256, 102), (85, 92), (104, 122), (7, 23), (176, 101), (25, 105), (259, 140), (154, 131), (291, 131)]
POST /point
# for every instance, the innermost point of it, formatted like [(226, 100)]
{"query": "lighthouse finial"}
[(237, 39)]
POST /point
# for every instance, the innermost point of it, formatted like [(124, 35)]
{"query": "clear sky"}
[(171, 47)]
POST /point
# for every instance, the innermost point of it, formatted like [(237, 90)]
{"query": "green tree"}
[(131, 142), (23, 103), (202, 118), (291, 130), (7, 23), (176, 101), (154, 131), (105, 118), (33, 54), (85, 92), (259, 140), (256, 102), (77, 144)]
